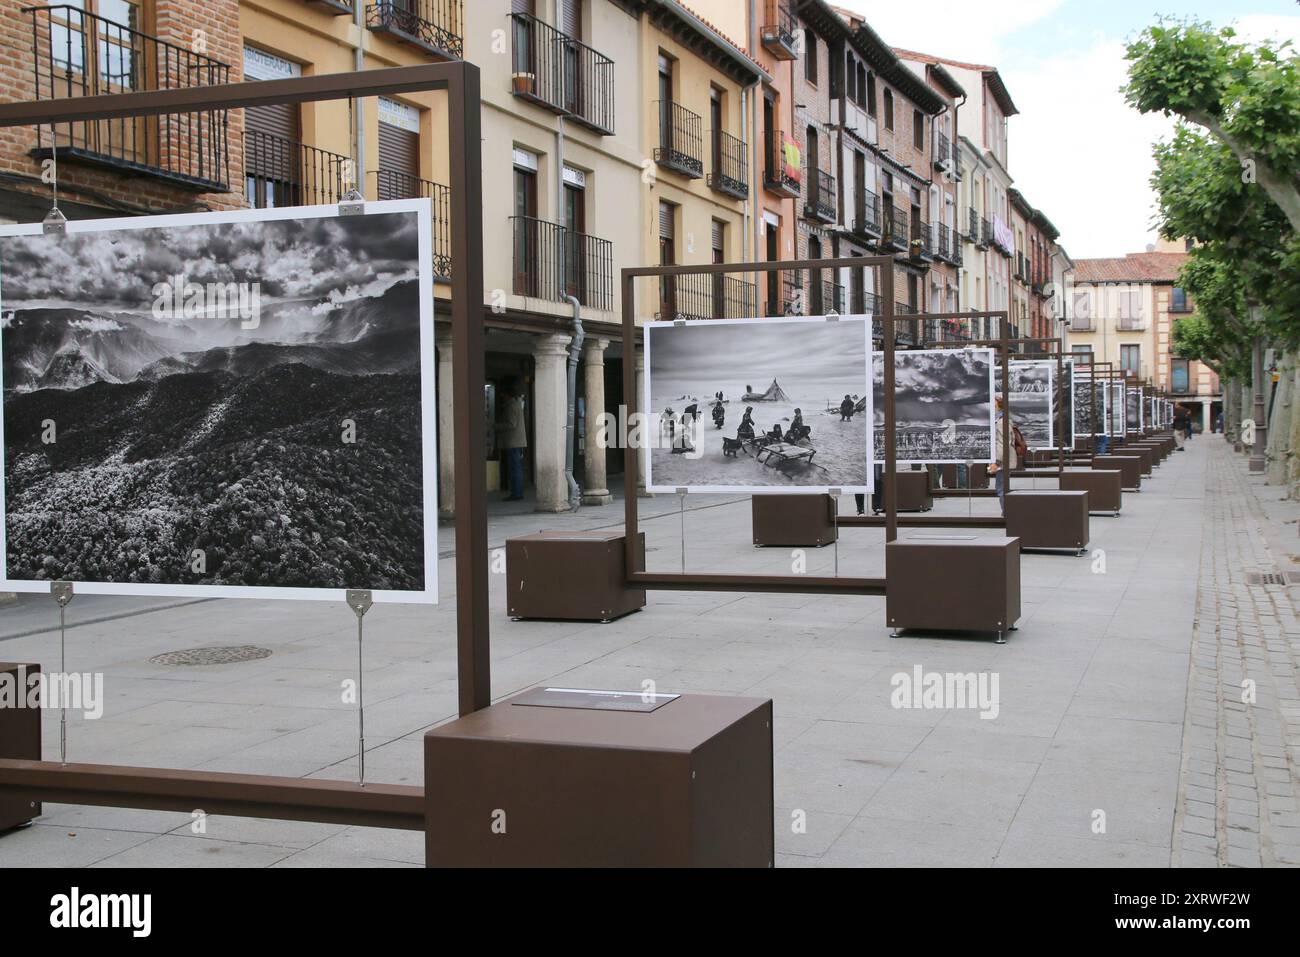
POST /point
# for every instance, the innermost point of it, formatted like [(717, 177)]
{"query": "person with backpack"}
[(1013, 456)]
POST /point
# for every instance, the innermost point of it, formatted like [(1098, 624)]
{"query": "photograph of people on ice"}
[(737, 404)]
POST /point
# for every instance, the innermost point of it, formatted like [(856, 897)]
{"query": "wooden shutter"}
[(522, 6), (571, 18), (278, 120), (666, 211), (399, 150), (269, 132), (719, 235)]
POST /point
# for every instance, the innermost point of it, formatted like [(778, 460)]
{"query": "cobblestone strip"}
[(1240, 778)]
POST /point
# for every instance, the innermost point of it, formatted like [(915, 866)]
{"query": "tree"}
[(1246, 97)]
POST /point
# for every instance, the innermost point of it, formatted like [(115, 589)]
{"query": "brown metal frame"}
[(1003, 347), (272, 796)]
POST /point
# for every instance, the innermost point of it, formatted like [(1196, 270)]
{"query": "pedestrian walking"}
[(1180, 426), (1002, 452), (512, 427)]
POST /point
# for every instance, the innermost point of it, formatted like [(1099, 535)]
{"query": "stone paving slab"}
[(1119, 694)]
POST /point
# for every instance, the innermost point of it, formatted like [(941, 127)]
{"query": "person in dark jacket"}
[(746, 428), (846, 409)]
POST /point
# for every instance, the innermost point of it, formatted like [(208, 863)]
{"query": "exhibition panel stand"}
[(714, 754), (946, 554), (20, 738)]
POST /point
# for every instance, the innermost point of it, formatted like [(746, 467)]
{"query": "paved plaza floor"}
[(1121, 735)]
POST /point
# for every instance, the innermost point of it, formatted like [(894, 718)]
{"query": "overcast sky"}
[(328, 259), (810, 359), (1077, 151)]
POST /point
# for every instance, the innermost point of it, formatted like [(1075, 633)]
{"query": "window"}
[(809, 56), (527, 236), (889, 109), (1178, 300), (1129, 306), (1130, 359), (871, 94), (861, 87), (575, 224), (918, 130), (667, 257), (850, 78), (1081, 310), (1084, 351), (1179, 378)]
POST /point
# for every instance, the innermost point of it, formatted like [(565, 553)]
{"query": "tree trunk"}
[(1278, 450), (1231, 421)]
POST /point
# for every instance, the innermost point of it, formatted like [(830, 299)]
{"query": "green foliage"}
[(1249, 93)]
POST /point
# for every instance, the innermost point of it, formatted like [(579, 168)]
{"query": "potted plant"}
[(524, 83)]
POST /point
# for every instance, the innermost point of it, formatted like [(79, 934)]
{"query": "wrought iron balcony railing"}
[(821, 196), (562, 74), (921, 243), (730, 173), (894, 234), (395, 184), (552, 262), (284, 172), (680, 146), (987, 226), (778, 35), (709, 297), (943, 243), (781, 164), (76, 53), (435, 26), (866, 218)]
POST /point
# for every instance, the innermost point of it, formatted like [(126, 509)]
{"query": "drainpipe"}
[(570, 422), (358, 104)]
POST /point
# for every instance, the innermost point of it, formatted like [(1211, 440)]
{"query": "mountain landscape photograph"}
[(231, 404)]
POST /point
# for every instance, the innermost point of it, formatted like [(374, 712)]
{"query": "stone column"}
[(595, 481), (446, 426), (550, 409), (646, 428)]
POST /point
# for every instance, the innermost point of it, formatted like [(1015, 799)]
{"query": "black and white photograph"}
[(1063, 416), (943, 406), (758, 404), (1031, 394), (224, 404), (1133, 410), (1115, 408), (1089, 405)]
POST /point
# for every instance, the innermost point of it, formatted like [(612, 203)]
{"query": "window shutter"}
[(719, 235), (666, 211), (571, 18), (399, 150), (522, 6)]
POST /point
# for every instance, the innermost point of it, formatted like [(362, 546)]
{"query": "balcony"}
[(435, 26), (945, 156), (782, 165), (336, 7), (82, 54), (945, 243), (821, 196), (921, 243), (778, 30), (708, 297), (1020, 270), (561, 74), (866, 218), (975, 229), (986, 226), (395, 184), (730, 173), (680, 146), (552, 262), (1082, 324), (894, 236), (283, 172), (1131, 324)]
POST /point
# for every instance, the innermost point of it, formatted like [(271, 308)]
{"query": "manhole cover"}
[(221, 655)]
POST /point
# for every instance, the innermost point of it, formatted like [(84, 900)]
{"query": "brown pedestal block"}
[(953, 583), (1043, 518), (570, 575), (1129, 467), (20, 737), (688, 784), (1105, 487), (1145, 454), (794, 521), (913, 491)]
